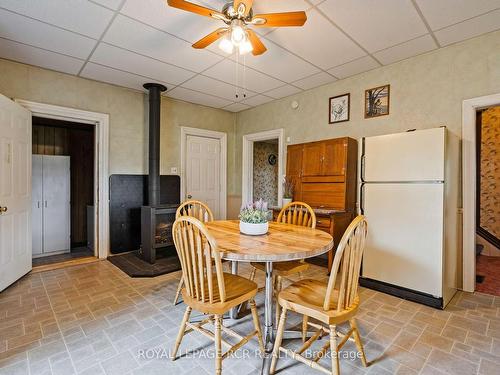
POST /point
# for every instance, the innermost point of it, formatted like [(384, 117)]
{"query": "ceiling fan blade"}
[(195, 8), (210, 38), (246, 3), (279, 19), (258, 47)]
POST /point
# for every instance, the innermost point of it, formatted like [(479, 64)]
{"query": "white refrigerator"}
[(409, 195)]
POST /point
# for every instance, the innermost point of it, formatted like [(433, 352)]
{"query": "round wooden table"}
[(282, 242)]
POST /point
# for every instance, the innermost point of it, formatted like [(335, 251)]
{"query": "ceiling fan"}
[(238, 16)]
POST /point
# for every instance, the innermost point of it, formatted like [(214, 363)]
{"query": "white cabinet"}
[(50, 204)]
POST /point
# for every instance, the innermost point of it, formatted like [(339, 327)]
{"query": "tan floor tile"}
[(468, 324), (436, 341), (451, 364), (454, 333)]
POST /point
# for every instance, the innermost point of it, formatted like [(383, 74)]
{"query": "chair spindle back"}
[(200, 260), (347, 265), (297, 213), (195, 209)]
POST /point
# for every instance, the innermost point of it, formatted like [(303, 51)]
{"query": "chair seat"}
[(284, 269), (238, 290), (307, 297)]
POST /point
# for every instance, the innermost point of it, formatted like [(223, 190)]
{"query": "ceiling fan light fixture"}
[(226, 45), (245, 47), (238, 34)]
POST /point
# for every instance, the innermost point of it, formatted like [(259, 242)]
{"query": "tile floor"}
[(93, 319)]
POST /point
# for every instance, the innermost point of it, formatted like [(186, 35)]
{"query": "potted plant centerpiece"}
[(288, 186), (254, 218)]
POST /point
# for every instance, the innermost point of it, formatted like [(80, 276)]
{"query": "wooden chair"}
[(296, 213), (331, 303), (200, 211), (208, 289)]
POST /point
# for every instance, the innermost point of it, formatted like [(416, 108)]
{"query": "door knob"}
[(189, 196), (3, 209)]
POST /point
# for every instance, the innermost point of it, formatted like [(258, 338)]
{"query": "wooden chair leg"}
[(305, 320), (277, 289), (334, 349), (182, 329), (357, 339), (218, 345), (277, 342), (179, 288), (256, 323)]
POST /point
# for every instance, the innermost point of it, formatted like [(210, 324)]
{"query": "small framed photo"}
[(340, 107), (377, 101)]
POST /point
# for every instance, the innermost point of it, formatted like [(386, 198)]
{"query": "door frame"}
[(101, 162), (469, 109), (247, 168), (222, 137)]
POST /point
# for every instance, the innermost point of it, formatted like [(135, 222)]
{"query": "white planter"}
[(286, 201), (254, 229)]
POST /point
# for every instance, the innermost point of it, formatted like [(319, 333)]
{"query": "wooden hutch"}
[(325, 174)]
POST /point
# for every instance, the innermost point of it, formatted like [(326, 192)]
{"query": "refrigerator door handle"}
[(362, 199), (362, 175)]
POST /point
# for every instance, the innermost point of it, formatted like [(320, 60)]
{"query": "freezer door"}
[(405, 235), (412, 156)]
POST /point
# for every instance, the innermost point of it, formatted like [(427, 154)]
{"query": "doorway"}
[(62, 190), (487, 204), (204, 168), (263, 167)]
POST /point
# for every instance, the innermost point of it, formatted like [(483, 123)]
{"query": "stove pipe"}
[(155, 90)]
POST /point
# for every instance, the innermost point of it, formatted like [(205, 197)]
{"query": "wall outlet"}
[(173, 170)]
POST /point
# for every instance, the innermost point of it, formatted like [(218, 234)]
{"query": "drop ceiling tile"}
[(113, 4), (314, 81), (115, 77), (157, 13), (115, 57), (279, 63), (137, 37), (257, 100), (82, 17), (191, 96), (229, 72), (283, 91), (236, 107), (444, 13), (405, 50), (354, 67), (377, 25), (39, 34), (212, 86), (318, 41), (469, 29), (39, 57)]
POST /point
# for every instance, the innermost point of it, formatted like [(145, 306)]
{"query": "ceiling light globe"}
[(237, 35), (245, 47), (226, 45)]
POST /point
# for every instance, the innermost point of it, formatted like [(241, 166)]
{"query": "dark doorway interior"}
[(56, 137), (487, 207)]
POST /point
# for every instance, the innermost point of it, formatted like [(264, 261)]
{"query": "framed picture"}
[(340, 106), (377, 101)]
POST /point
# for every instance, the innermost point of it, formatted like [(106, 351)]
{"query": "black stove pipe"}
[(155, 90)]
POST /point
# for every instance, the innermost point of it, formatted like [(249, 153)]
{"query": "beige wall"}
[(426, 91), (127, 110)]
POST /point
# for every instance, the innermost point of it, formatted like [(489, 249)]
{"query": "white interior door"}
[(56, 203), (411, 156), (36, 205), (203, 171), (15, 192), (405, 235)]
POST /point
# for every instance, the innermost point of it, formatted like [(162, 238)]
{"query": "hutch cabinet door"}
[(294, 168), (334, 157), (312, 159)]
